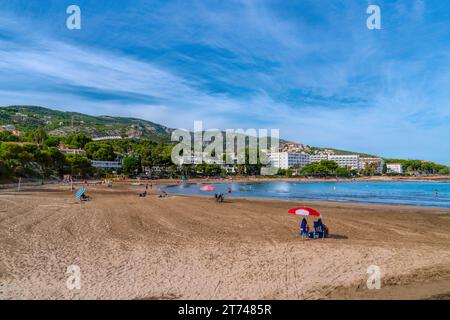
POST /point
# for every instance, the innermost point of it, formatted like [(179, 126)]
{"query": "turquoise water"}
[(409, 193)]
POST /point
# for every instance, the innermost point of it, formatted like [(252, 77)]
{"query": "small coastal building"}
[(106, 164), (365, 162), (64, 149), (394, 168), (9, 127)]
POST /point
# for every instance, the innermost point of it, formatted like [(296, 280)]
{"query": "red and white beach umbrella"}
[(305, 211), (207, 188)]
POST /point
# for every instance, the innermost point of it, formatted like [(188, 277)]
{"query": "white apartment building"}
[(286, 160), (107, 138), (106, 164), (394, 167), (318, 157), (365, 162), (346, 161)]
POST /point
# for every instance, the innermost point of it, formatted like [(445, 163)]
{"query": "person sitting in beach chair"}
[(163, 194), (143, 194), (304, 228), (320, 230), (85, 197)]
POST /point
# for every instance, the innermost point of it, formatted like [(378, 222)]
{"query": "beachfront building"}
[(106, 164), (394, 168), (350, 161), (286, 160), (318, 157), (365, 162), (64, 149)]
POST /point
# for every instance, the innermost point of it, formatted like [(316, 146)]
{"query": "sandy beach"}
[(183, 247)]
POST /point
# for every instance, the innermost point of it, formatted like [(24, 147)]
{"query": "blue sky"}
[(309, 68)]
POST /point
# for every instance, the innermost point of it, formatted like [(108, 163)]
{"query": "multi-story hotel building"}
[(350, 161), (318, 157), (285, 160), (345, 161)]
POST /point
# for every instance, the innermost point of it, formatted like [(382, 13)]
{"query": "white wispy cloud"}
[(358, 90)]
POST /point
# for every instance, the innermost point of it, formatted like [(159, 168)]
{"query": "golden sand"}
[(129, 247)]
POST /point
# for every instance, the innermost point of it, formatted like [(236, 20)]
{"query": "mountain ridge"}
[(60, 123)]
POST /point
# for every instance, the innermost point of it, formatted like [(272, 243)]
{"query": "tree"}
[(9, 150), (78, 164), (330, 165), (100, 151), (370, 169), (51, 142), (131, 165), (162, 155), (78, 140), (315, 169), (57, 159), (39, 136), (343, 172), (285, 172), (8, 136)]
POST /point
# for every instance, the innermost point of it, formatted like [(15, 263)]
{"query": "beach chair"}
[(303, 234)]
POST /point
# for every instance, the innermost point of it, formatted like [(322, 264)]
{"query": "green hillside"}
[(60, 123)]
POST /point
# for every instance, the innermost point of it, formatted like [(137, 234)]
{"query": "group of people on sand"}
[(219, 197), (320, 229), (144, 194)]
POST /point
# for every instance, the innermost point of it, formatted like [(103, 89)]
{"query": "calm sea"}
[(409, 193)]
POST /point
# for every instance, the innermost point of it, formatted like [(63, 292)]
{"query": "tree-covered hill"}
[(60, 123)]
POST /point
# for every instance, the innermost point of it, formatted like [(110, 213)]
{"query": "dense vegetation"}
[(420, 167), (59, 123), (35, 154)]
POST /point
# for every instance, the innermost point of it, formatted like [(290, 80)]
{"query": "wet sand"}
[(183, 247)]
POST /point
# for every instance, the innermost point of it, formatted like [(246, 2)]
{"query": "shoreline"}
[(335, 202), (435, 178), (166, 188)]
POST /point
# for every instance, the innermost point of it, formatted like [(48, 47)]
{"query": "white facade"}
[(107, 138), (394, 167), (286, 160), (345, 161), (106, 164), (318, 157)]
